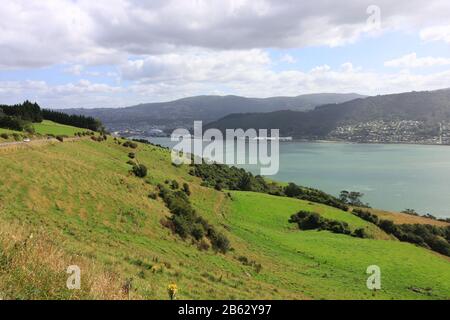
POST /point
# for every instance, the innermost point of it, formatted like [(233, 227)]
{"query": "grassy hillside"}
[(77, 203), (50, 127), (44, 128), (403, 218)]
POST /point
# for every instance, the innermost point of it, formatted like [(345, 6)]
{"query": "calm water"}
[(393, 177)]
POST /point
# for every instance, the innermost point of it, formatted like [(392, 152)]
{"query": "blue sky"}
[(118, 53)]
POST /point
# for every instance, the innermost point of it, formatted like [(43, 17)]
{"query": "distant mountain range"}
[(183, 112), (405, 117)]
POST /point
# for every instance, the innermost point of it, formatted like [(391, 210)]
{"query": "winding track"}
[(35, 142)]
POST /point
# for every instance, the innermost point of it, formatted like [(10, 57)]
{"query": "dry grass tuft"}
[(32, 267)]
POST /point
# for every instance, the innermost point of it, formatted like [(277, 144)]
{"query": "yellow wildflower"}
[(172, 289)]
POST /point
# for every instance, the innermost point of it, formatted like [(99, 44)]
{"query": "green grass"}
[(326, 265), (49, 127), (45, 128), (80, 198), (8, 131)]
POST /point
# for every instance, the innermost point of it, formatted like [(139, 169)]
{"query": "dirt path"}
[(34, 143)]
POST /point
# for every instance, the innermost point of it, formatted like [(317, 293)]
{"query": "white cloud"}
[(197, 66), (80, 94), (76, 70), (174, 48), (257, 80), (48, 32), (436, 33), (412, 61), (287, 58)]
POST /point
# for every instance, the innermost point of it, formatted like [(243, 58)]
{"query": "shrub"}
[(198, 232), (140, 170), (219, 241), (186, 189), (4, 135), (203, 245), (430, 237), (313, 221), (28, 128), (292, 190), (366, 215), (360, 233), (17, 137), (131, 162), (130, 144), (231, 178), (186, 223), (153, 196), (307, 220), (60, 138), (174, 185), (132, 155)]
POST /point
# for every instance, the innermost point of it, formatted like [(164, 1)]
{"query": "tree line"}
[(73, 120), (20, 117)]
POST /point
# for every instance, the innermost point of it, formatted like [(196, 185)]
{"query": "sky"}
[(117, 53)]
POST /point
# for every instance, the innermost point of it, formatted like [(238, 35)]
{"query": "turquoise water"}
[(392, 177)]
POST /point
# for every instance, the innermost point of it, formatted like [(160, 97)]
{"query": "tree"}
[(73, 120), (352, 198), (245, 184), (355, 198), (344, 196)]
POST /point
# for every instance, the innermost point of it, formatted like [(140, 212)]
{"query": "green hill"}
[(44, 128), (78, 204)]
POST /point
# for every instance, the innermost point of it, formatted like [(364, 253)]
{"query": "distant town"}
[(405, 131)]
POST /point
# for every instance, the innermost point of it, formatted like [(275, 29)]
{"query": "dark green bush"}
[(360, 233), (313, 221), (307, 220), (130, 144), (187, 223), (366, 215), (175, 185), (132, 155), (4, 135), (427, 236), (292, 190), (186, 189), (219, 241), (140, 170)]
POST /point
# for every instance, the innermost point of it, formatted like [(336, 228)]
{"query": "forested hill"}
[(419, 110), (20, 117), (206, 108)]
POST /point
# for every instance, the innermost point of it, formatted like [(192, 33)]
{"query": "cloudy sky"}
[(111, 53)]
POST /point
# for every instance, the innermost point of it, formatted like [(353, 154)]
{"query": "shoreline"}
[(324, 141)]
